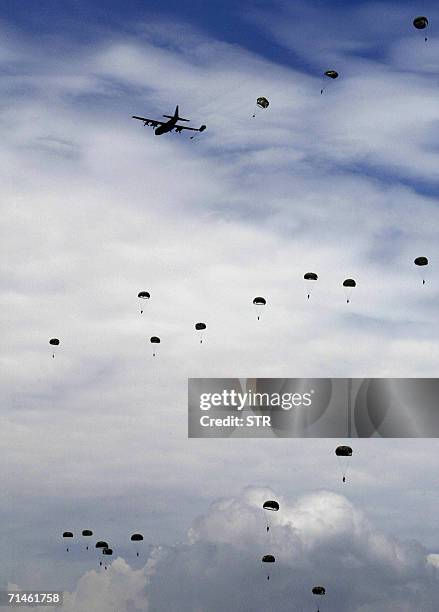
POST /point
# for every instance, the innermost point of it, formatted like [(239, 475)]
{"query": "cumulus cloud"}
[(320, 538)]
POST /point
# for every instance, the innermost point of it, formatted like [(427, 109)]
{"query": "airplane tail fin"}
[(175, 116)]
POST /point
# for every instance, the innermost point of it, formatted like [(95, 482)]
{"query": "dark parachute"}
[(108, 552), (320, 591), (268, 559), (154, 340), (101, 545), (261, 102), (54, 342), (331, 74), (143, 295), (421, 262), (87, 534), (200, 327), (67, 534), (349, 284), (421, 23), (343, 451), (310, 276), (272, 506), (137, 537), (259, 303)]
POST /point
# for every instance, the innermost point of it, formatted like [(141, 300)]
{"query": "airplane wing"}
[(147, 121), (179, 128)]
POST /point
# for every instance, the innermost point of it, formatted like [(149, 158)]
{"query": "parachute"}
[(319, 591), (272, 506), (349, 284), (259, 303), (87, 534), (54, 342), (154, 340), (67, 534), (331, 74), (200, 327), (343, 452), (310, 276), (268, 559), (421, 23), (108, 552), (421, 262), (143, 295), (261, 102), (101, 545), (137, 537)]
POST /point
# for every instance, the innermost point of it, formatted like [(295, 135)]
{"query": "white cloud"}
[(317, 539)]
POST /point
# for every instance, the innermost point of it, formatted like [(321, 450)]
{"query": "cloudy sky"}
[(96, 208)]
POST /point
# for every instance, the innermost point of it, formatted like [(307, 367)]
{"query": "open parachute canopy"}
[(319, 590), (259, 301), (262, 102), (136, 537), (312, 276), (200, 326), (332, 74), (271, 505), (343, 451), (101, 544), (421, 261), (420, 22), (54, 341), (87, 533), (268, 559), (107, 551), (143, 295), (67, 534), (349, 282), (155, 340)]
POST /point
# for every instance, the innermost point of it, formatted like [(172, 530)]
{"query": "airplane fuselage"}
[(166, 127)]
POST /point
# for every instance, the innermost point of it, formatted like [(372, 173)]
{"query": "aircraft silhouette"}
[(162, 127)]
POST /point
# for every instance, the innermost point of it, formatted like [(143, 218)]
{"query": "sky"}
[(96, 208)]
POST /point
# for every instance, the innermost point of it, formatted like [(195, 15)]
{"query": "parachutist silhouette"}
[(268, 528), (423, 281), (308, 295), (344, 478)]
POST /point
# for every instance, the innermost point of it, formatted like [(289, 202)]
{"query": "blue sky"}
[(96, 208)]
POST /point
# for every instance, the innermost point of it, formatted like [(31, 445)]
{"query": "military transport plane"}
[(162, 127)]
